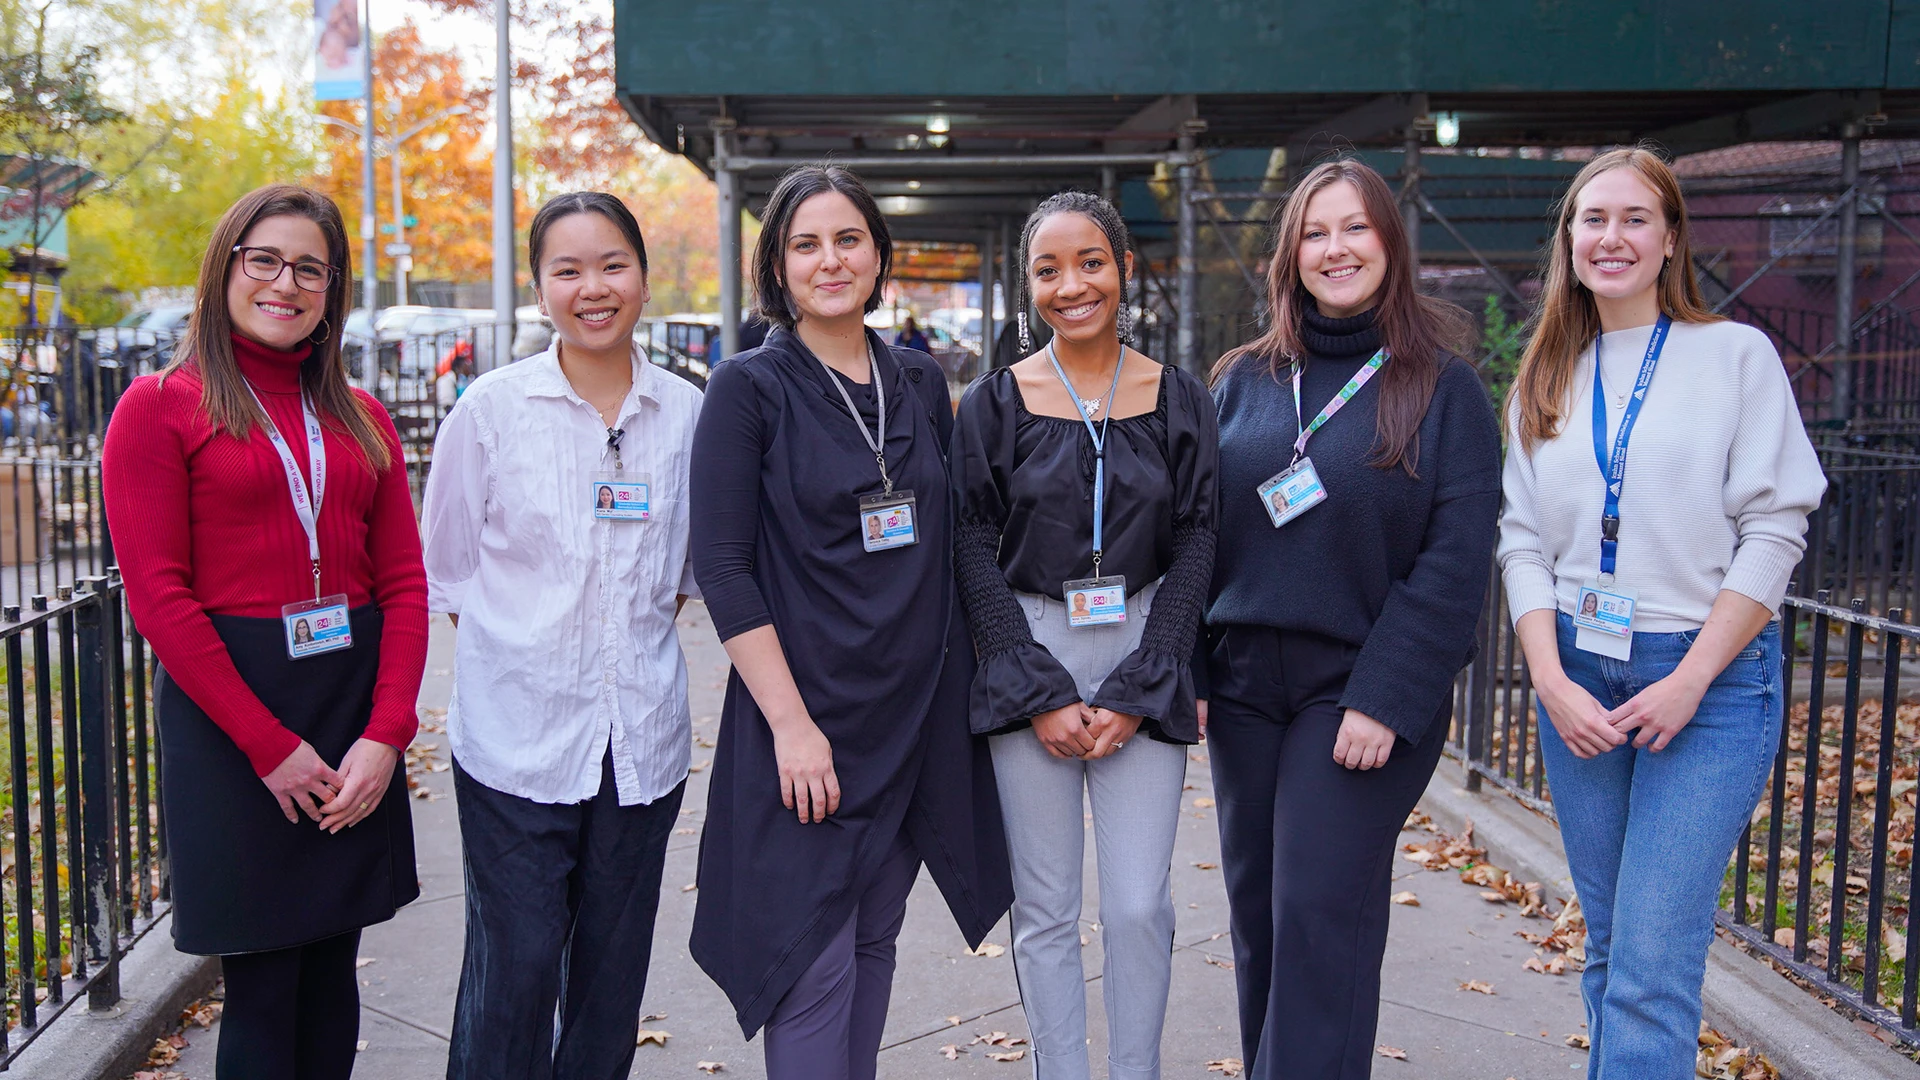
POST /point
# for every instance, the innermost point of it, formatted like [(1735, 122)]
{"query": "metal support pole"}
[(1003, 274), (369, 224), (399, 234), (1110, 184), (988, 338), (503, 261), (1843, 271), (102, 913), (728, 183), (1187, 262), (1410, 198)]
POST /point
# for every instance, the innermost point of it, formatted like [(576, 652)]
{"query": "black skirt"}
[(245, 879)]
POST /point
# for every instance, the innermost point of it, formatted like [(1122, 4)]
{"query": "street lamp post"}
[(399, 250)]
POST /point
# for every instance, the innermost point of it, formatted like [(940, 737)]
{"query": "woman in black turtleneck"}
[(1348, 582)]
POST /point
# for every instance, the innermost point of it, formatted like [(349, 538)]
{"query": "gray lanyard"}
[(877, 445)]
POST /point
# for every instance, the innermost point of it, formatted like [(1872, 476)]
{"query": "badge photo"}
[(887, 521), (617, 498), (317, 626)]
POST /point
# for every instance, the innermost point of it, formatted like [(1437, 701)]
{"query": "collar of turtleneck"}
[(269, 370), (1338, 338)]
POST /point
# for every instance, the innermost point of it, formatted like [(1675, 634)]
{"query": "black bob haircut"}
[(803, 182), (582, 202)]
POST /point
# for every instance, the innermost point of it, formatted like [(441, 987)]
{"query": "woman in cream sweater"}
[(1655, 508)]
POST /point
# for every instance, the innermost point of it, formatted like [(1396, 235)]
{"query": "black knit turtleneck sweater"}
[(1392, 563)]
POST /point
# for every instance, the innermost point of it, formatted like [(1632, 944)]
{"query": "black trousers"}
[(291, 1013), (561, 899), (1307, 847)]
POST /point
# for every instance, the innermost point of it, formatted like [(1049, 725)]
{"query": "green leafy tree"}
[(1502, 341)]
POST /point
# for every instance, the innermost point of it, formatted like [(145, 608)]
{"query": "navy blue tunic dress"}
[(878, 649)]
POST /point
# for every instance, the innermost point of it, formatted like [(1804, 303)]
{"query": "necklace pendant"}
[(1092, 405)]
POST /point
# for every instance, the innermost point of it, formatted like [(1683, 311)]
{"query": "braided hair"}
[(1103, 214)]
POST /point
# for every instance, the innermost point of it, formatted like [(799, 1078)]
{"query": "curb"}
[(156, 982), (1743, 997)]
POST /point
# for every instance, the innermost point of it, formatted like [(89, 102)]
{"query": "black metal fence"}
[(83, 860)]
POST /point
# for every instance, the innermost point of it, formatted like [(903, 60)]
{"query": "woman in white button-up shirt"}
[(569, 717)]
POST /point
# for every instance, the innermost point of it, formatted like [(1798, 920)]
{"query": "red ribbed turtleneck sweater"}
[(203, 524)]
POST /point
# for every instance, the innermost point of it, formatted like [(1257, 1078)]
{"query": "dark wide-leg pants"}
[(1307, 847), (291, 1014), (561, 899)]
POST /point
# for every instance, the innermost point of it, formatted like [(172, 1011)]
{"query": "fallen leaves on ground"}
[(1202, 803), (1226, 1066), (997, 1038), (952, 1051), (657, 1038), (166, 1051), (1006, 1055), (1207, 865), (201, 1014), (362, 961), (989, 949), (1219, 963), (1721, 1060), (1393, 1052), (1478, 986), (1554, 965), (710, 1066), (1579, 1041), (1406, 899)]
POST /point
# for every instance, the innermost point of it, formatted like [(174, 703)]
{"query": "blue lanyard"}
[(1614, 470), (1099, 438)]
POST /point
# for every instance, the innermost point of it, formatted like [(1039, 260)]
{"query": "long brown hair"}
[(1417, 330), (207, 346), (1565, 320)]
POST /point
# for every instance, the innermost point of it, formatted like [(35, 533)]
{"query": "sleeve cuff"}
[(447, 596), (1156, 685), (272, 747), (1529, 587), (1015, 685), (1399, 711), (689, 588), (1761, 569), (393, 725)]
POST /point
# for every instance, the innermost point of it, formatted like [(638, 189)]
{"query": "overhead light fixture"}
[(937, 124), (913, 185), (936, 141), (1446, 128)]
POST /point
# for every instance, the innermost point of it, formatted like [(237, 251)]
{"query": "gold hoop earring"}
[(320, 334)]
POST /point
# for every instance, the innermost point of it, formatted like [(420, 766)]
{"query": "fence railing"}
[(83, 860), (1822, 881)]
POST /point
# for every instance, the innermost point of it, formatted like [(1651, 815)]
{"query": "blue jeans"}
[(1648, 838)]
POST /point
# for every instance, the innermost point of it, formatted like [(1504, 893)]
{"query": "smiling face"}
[(830, 262), (1074, 277), (1342, 261), (1619, 236), (278, 313), (590, 283)]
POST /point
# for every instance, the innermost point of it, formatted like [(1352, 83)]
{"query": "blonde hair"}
[(1565, 320)]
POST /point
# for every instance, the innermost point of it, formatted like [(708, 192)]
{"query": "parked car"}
[(144, 340)]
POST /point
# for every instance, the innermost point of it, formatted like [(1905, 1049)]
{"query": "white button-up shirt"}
[(566, 640)]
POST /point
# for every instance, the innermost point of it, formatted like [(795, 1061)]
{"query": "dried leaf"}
[(1219, 963), (710, 1066), (1393, 1052), (1207, 865), (989, 949), (651, 1017), (952, 1051), (688, 887), (362, 961), (360, 1047), (658, 1038), (1579, 1041), (1406, 899), (1202, 803), (1006, 1055), (1478, 987), (1226, 1066)]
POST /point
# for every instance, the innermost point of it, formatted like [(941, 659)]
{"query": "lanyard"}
[(308, 509), (1339, 401), (614, 435), (878, 446), (1614, 470), (1099, 438)]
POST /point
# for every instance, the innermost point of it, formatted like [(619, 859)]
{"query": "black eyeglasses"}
[(262, 264)]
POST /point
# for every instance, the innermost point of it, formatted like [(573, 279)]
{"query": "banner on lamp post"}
[(339, 60)]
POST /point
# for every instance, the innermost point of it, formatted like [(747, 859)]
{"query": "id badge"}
[(1288, 494), (1100, 601), (622, 498), (317, 626), (887, 521), (1603, 620)]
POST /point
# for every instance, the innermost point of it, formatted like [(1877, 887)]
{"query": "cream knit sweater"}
[(1720, 480)]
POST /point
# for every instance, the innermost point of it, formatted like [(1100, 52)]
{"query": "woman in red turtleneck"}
[(261, 519)]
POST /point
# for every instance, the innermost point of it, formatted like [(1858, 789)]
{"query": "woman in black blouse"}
[(1086, 469), (1353, 563), (843, 761)]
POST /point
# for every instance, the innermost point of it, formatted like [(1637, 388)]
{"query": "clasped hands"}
[(1084, 731), (1658, 713), (340, 798)]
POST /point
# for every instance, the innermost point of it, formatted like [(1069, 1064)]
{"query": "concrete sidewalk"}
[(942, 995)]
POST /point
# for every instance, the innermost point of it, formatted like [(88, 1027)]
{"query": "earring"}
[(1026, 342), (320, 335)]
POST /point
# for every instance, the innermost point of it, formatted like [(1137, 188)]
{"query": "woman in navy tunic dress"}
[(844, 756)]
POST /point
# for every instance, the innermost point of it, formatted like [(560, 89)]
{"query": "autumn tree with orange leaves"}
[(446, 171)]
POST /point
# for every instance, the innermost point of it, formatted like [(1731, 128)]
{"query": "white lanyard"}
[(878, 446), (308, 509)]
